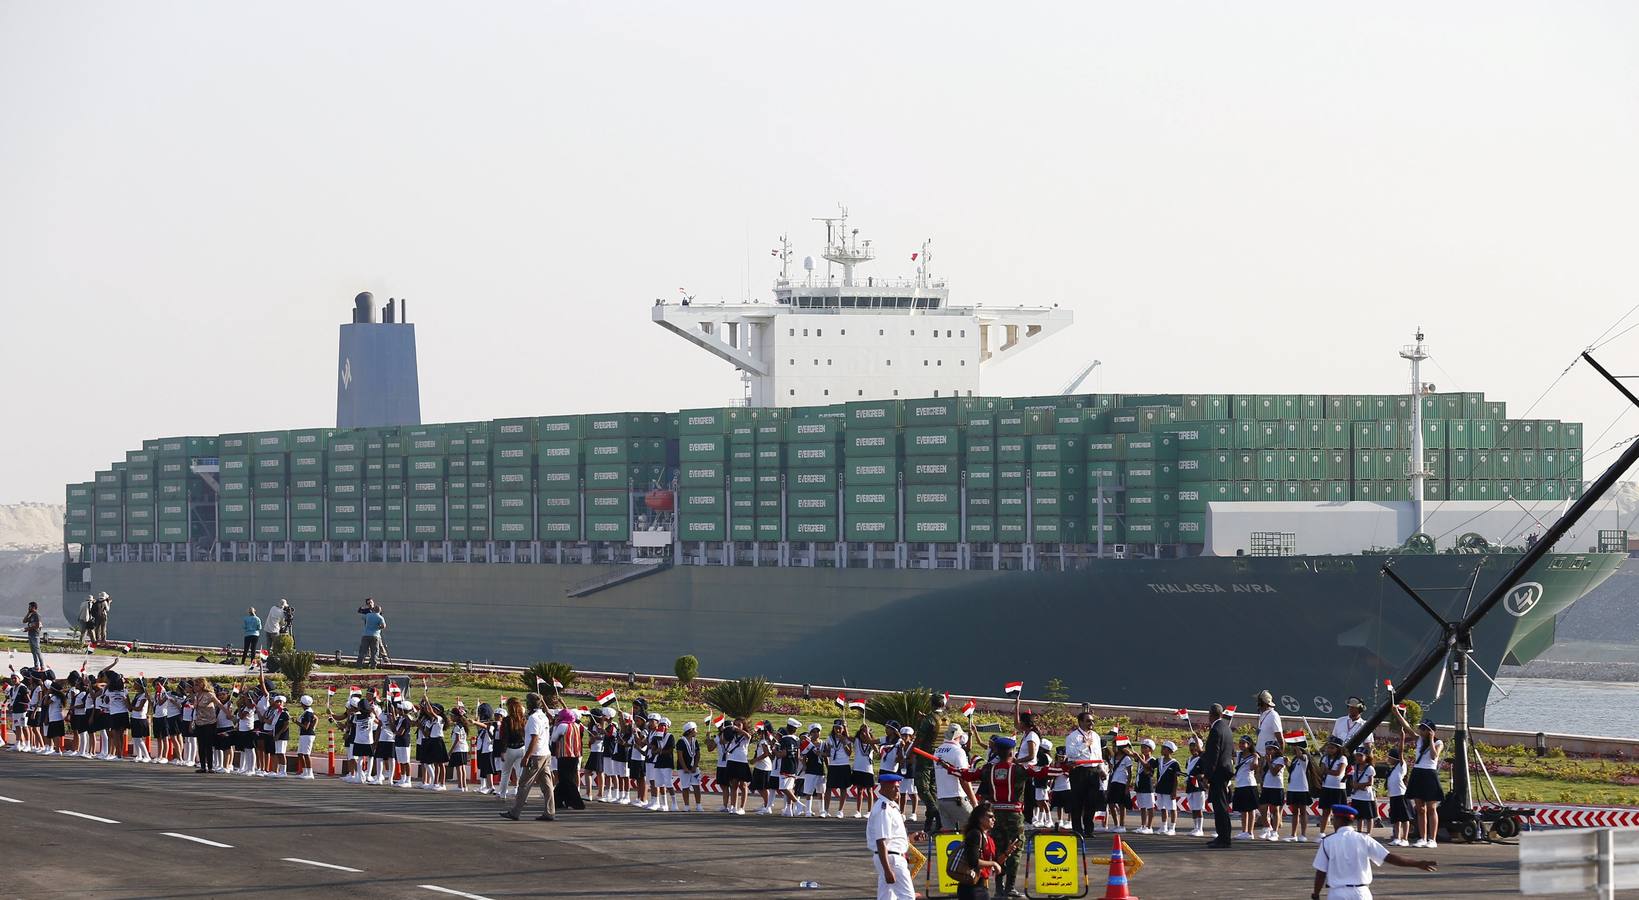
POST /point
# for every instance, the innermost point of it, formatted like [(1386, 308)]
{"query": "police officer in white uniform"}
[(885, 836), (1344, 860)]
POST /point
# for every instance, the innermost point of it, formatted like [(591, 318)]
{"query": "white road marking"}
[(445, 890), (9, 800), (70, 812), (197, 840), (322, 865)]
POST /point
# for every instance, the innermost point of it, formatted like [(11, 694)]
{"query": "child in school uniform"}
[(688, 766), (460, 745), (1272, 793), (483, 747), (1121, 779), (1334, 767), (281, 735), (384, 748), (1167, 771), (307, 725), (1298, 796), (1245, 799), (1195, 787), (1145, 787), (431, 750), (404, 732), (1362, 796), (1058, 806), (244, 736), (1399, 805), (141, 707)]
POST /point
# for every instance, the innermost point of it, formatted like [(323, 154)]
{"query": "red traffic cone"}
[(1116, 887)]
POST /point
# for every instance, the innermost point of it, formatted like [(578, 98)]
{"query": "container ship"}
[(864, 515)]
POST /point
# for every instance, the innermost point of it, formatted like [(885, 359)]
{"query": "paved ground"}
[(63, 663), (409, 843)]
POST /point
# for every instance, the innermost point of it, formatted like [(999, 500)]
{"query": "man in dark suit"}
[(1218, 758)]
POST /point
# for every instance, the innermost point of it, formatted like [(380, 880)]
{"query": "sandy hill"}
[(31, 526), (31, 538)]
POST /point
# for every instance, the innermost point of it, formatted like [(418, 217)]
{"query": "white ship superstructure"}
[(838, 336)]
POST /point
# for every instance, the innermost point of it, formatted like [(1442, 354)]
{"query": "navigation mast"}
[(1417, 468), (844, 247)]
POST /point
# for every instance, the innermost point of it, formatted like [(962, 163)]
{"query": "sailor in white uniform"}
[(885, 836), (1344, 860)]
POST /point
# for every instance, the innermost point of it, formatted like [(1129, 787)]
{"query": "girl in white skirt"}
[(307, 724), (1195, 786), (1166, 789), (1144, 790)]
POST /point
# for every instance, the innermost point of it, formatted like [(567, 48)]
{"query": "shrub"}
[(687, 668), (904, 707), (296, 666), (1414, 712), (741, 698), (548, 672), (282, 643)]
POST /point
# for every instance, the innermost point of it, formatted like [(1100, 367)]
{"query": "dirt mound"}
[(30, 526)]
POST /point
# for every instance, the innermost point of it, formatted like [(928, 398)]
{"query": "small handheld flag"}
[(330, 691), (540, 683), (717, 720), (262, 654), (557, 685), (842, 702), (1388, 684), (354, 689), (857, 703), (1400, 706), (1295, 737), (1182, 714), (1122, 740), (1229, 710), (1013, 687), (607, 697), (968, 708)]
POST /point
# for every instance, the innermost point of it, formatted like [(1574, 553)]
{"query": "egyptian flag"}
[(354, 689), (1183, 715), (1122, 740), (716, 721), (968, 708), (857, 703), (330, 691), (394, 690), (1229, 711), (1295, 737), (1389, 685), (1013, 688), (557, 685), (540, 683), (606, 698), (262, 654), (842, 702), (1400, 706)]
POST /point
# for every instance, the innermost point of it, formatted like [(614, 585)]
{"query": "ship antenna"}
[(785, 259), (844, 247), (923, 259), (1417, 468)]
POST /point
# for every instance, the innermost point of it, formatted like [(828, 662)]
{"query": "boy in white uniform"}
[(1344, 860)]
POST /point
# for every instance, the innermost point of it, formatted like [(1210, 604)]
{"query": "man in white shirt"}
[(954, 792), (885, 836), (537, 760), (1344, 860), (1346, 727), (1084, 754), (1269, 726)]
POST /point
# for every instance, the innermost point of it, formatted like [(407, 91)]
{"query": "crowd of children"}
[(633, 758)]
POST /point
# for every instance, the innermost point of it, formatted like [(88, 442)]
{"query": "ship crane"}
[(1070, 387)]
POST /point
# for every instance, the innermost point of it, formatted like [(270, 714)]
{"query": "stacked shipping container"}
[(983, 470)]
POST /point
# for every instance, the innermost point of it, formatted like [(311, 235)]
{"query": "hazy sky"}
[(1232, 197)]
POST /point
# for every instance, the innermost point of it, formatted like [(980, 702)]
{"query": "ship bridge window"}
[(925, 303), (849, 302), (904, 303)]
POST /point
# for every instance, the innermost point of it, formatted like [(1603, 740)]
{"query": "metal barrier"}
[(1579, 861)]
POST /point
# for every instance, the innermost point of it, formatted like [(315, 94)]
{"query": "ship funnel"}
[(377, 383)]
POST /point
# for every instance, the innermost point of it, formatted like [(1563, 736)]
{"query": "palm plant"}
[(904, 707), (548, 672), (296, 666), (741, 698)]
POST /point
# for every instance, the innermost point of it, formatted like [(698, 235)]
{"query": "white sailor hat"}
[(815, 727), (352, 701), (690, 726), (906, 729), (794, 723), (280, 698), (1147, 742), (606, 712), (405, 704), (1168, 746), (305, 700)]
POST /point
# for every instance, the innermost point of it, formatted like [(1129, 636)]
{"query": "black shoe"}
[(545, 818), (1217, 844), (509, 814)]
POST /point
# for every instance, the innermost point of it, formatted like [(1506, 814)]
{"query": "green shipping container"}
[(871, 442), (811, 504), (940, 529), (932, 470), (559, 528), (822, 530), (811, 479), (923, 498), (815, 455), (608, 528), (945, 441)]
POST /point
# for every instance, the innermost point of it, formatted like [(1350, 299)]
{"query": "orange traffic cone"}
[(1116, 888), (330, 754)]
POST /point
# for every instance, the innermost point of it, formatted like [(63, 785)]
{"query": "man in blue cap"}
[(1344, 859), (1003, 781), (885, 836)]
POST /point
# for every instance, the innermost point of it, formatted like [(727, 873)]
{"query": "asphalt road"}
[(284, 836)]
